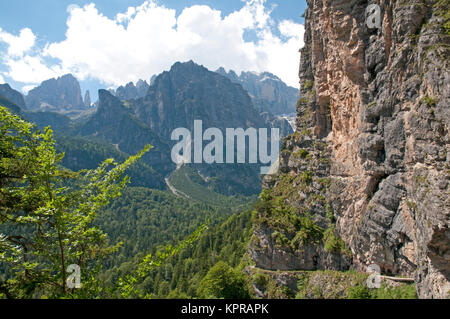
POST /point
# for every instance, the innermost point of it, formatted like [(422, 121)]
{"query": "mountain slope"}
[(12, 95), (82, 153), (115, 123), (268, 92), (190, 92), (179, 276), (58, 122), (62, 95), (191, 184), (9, 105)]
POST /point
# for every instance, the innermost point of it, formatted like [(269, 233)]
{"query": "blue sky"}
[(44, 38)]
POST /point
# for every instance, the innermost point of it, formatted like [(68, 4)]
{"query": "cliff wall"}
[(369, 163)]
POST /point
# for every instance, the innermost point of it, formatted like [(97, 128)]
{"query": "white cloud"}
[(71, 7), (18, 45), (27, 88), (124, 17), (148, 39), (31, 69), (23, 61), (2, 81)]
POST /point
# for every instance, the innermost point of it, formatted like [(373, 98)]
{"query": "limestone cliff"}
[(365, 179), (61, 95), (131, 91)]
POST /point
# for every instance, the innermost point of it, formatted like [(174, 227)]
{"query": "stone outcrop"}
[(59, 95), (87, 99), (131, 91), (379, 99)]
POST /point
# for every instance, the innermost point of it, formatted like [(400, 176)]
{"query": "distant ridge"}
[(268, 92)]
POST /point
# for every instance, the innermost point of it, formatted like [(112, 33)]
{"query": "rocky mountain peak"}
[(189, 91), (60, 94), (131, 91), (108, 102), (12, 95), (142, 87), (87, 99), (268, 92)]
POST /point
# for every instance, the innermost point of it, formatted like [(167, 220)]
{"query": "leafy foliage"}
[(81, 153), (222, 281), (146, 219), (47, 213), (400, 292), (179, 275), (127, 285)]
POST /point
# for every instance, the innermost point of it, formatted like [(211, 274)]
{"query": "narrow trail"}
[(268, 271), (175, 191)]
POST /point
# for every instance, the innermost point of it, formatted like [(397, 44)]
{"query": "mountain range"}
[(132, 116), (62, 95), (268, 92), (361, 196), (131, 91)]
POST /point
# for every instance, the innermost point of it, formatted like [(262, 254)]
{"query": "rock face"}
[(282, 123), (115, 123), (87, 99), (379, 99), (191, 92), (268, 92), (131, 91), (12, 95), (142, 88), (60, 95)]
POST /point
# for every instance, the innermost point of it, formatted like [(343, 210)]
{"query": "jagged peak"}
[(105, 95), (64, 78), (141, 82), (263, 76), (68, 76), (189, 65), (6, 85)]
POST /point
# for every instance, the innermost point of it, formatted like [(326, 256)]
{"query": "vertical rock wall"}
[(379, 99)]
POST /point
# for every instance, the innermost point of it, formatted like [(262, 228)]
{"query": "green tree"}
[(47, 213), (127, 286), (224, 282)]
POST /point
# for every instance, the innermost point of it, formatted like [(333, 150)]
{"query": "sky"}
[(108, 43)]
